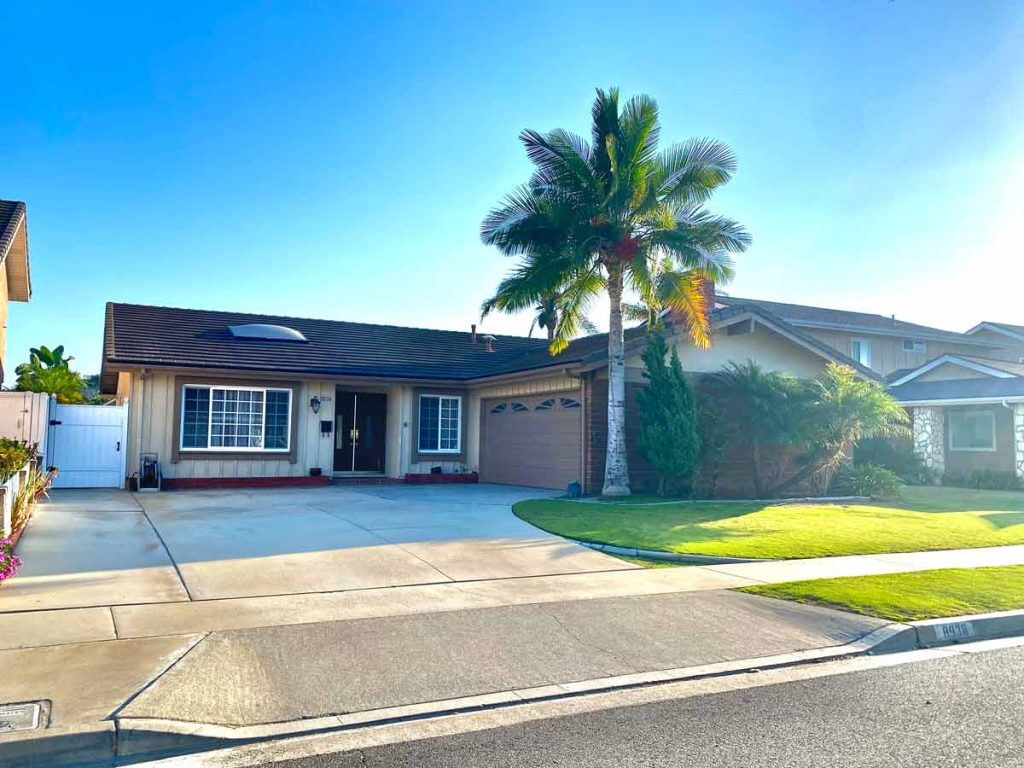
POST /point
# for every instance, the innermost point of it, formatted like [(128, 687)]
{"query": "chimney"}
[(472, 332), (707, 287)]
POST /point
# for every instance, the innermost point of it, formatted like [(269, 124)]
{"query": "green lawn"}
[(911, 596), (924, 519)]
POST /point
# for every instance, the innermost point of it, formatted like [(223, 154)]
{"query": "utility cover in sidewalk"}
[(25, 716)]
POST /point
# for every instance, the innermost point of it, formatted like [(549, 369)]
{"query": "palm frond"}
[(579, 293), (690, 171), (683, 294)]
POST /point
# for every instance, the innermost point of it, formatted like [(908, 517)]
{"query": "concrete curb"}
[(133, 740), (933, 633), (795, 500), (146, 739), (657, 554), (92, 746)]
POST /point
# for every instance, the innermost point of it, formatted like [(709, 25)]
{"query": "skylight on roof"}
[(266, 332)]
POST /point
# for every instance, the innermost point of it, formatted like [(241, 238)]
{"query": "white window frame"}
[(209, 421), (865, 346), (917, 346), (458, 437), (992, 421)]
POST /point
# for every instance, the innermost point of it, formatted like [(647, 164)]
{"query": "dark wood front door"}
[(359, 430)]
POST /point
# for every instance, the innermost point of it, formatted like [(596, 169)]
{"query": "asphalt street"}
[(960, 711)]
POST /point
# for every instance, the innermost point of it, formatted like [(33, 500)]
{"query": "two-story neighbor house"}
[(15, 282)]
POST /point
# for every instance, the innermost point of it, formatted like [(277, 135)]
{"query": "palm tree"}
[(614, 214)]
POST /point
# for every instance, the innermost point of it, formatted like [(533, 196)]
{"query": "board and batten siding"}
[(151, 430), (887, 353)]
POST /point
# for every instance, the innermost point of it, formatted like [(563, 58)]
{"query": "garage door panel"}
[(539, 448)]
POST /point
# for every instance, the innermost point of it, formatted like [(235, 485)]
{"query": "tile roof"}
[(865, 322), (165, 336), (11, 213)]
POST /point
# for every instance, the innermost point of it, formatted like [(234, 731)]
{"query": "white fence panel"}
[(24, 416), (88, 444)]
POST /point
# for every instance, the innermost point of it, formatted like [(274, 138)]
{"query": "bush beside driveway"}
[(923, 519)]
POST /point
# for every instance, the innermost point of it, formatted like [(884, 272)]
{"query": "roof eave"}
[(952, 338), (16, 264)]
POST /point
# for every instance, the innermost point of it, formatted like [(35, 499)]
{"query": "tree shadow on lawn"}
[(1003, 519), (951, 499)]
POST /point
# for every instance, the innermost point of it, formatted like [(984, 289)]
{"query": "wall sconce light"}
[(314, 404)]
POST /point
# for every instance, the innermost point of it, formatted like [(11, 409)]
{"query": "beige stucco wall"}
[(766, 347)]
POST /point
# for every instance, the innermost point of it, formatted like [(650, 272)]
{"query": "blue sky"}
[(334, 160)]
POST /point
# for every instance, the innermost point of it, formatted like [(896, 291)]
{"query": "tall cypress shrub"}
[(668, 436)]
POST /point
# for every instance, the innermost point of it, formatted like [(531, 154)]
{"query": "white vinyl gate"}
[(87, 444)]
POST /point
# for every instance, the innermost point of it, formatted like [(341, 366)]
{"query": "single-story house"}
[(226, 398), (15, 280)]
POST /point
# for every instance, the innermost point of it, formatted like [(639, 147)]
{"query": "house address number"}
[(957, 630)]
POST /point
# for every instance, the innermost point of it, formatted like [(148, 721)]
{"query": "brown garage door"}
[(533, 441)]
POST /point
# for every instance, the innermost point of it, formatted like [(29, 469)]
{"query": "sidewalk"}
[(80, 625), (246, 662)]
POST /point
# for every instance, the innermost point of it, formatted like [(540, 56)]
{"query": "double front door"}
[(359, 430)]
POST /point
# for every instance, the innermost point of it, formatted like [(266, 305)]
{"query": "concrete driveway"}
[(89, 548)]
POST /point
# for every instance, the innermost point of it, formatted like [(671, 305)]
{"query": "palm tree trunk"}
[(616, 470), (551, 333)]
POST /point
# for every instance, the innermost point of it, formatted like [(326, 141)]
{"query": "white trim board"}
[(962, 401), (996, 373)]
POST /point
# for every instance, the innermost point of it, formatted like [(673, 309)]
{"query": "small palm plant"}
[(610, 215)]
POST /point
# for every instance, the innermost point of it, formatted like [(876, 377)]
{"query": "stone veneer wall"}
[(930, 437), (1018, 438)]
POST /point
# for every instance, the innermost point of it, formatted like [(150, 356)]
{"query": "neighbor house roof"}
[(1015, 332), (951, 391), (738, 309), (14, 249), (998, 369), (803, 316)]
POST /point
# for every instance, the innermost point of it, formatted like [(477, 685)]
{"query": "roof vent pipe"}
[(472, 332), (490, 342)]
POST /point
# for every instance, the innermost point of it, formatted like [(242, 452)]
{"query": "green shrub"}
[(985, 479), (14, 454), (667, 436), (896, 454), (869, 480)]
